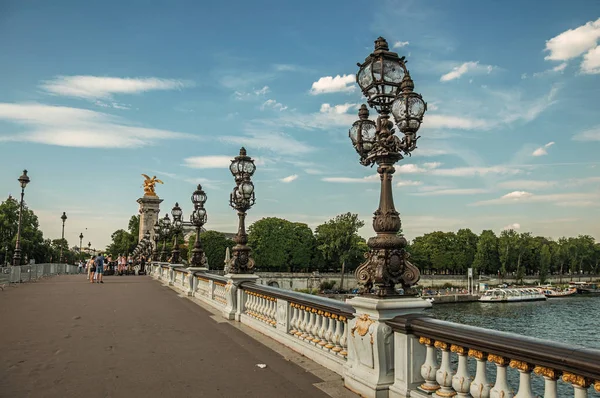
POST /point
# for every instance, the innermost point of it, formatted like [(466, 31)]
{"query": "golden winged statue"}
[(149, 184)]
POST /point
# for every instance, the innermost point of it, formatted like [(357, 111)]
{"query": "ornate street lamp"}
[(388, 87), (198, 219), (62, 237), (241, 199), (23, 180), (80, 244), (156, 238), (176, 213), (165, 226)]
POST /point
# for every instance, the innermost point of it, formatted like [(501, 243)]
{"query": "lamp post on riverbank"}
[(241, 199), (23, 180), (62, 236), (388, 87), (165, 228), (198, 219), (80, 241)]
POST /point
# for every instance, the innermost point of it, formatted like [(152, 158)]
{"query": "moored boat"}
[(551, 292), (585, 287), (512, 295)]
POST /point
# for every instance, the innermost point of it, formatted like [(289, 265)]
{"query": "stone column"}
[(235, 297), (149, 210), (369, 370)]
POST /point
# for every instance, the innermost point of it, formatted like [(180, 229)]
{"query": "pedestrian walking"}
[(91, 269), (99, 268), (80, 267)]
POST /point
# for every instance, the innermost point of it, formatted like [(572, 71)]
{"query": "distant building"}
[(189, 231)]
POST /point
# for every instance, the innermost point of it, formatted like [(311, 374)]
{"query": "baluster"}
[(344, 338), (317, 326), (259, 306), (251, 304), (299, 319), (311, 324), (461, 381), (501, 388), (337, 335), (294, 310), (580, 384), (524, 378), (263, 308), (429, 367), (273, 312), (330, 333), (550, 377), (444, 374), (304, 323), (323, 331), (480, 387)]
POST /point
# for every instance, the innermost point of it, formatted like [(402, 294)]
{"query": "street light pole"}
[(23, 180), (165, 226), (62, 238), (80, 241), (241, 199), (198, 219), (388, 87), (176, 213)]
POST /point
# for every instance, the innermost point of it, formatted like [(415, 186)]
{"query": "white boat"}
[(512, 295)]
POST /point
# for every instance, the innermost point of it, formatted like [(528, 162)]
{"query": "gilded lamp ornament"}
[(388, 87), (242, 199)]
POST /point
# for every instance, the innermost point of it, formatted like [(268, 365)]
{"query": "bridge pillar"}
[(369, 370), (149, 210), (234, 296)]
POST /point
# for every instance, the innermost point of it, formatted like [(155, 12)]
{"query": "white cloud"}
[(290, 178), (368, 179), (433, 169), (573, 42), (467, 67), (408, 183), (558, 68), (75, 127), (273, 141), (454, 122), (400, 44), (559, 199), (453, 191), (208, 162), (337, 109), (515, 227), (541, 151), (273, 104), (588, 135), (527, 184), (92, 87), (591, 62), (243, 95), (330, 84)]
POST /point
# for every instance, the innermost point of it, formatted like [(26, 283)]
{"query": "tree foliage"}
[(214, 244), (339, 242)]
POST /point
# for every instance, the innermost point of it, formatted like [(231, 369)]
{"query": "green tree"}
[(134, 226), (31, 236), (214, 244), (122, 242), (545, 262), (507, 242), (466, 247), (487, 259), (337, 239)]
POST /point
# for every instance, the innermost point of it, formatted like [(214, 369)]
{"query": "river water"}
[(571, 320)]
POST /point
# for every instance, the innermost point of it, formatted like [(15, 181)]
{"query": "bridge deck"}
[(131, 337)]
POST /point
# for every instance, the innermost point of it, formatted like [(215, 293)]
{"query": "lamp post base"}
[(370, 372)]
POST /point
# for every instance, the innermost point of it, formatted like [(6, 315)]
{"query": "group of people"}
[(95, 268)]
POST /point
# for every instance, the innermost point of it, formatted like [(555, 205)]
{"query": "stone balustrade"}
[(380, 354), (467, 353)]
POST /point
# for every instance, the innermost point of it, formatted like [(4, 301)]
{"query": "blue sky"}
[(95, 93)]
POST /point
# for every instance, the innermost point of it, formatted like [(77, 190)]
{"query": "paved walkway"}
[(132, 337)]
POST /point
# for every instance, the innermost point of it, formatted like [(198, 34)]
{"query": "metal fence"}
[(29, 273)]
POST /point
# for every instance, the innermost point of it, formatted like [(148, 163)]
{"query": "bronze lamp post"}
[(198, 219), (177, 224), (156, 238), (165, 231), (23, 180), (80, 244), (388, 87), (241, 199)]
